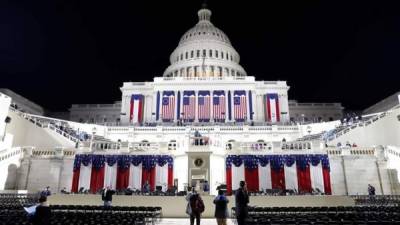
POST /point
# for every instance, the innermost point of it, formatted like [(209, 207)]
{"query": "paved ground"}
[(167, 221)]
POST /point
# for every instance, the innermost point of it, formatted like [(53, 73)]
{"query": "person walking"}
[(241, 201), (221, 208)]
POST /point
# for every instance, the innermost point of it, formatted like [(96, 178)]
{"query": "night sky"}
[(59, 52)]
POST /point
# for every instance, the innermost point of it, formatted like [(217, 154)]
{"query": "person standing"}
[(371, 190), (189, 194), (221, 208), (241, 201), (106, 196), (42, 213), (46, 192), (196, 207), (146, 187)]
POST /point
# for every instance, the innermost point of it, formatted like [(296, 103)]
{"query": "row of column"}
[(209, 71), (258, 107), (249, 108)]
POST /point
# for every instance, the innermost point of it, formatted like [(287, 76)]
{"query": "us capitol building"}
[(205, 119)]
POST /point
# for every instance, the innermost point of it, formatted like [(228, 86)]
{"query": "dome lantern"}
[(204, 14)]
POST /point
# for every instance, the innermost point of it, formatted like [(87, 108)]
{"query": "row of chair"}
[(78, 218), (323, 215)]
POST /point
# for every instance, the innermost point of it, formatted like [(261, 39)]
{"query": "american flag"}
[(204, 106), (239, 106), (168, 106), (136, 109), (189, 105), (219, 105), (272, 107)]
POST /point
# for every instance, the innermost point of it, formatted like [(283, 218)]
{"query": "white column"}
[(237, 175), (135, 176), (264, 174), (316, 175), (196, 113), (84, 177), (291, 177), (254, 105), (211, 106), (232, 107), (248, 106), (176, 107), (226, 106), (155, 106), (181, 102)]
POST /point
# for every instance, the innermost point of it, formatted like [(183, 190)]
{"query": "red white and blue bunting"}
[(300, 172), (94, 172)]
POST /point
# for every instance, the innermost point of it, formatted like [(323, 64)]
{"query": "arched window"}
[(186, 55), (198, 53), (210, 53), (204, 53), (192, 54), (216, 53)]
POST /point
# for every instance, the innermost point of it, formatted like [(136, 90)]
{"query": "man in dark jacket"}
[(221, 208), (241, 201), (43, 213), (197, 208), (106, 196)]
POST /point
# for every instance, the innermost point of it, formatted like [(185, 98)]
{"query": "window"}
[(210, 53), (198, 53), (231, 58), (226, 56), (204, 53), (216, 53), (186, 55), (192, 54)]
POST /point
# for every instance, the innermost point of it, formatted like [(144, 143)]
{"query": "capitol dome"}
[(204, 51)]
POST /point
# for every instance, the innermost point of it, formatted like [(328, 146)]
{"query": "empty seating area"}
[(359, 215), (12, 212), (365, 200)]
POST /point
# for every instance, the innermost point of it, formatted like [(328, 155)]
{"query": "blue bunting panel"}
[(123, 161), (277, 161)]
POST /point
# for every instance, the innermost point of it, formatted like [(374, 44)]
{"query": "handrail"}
[(32, 117), (363, 123)]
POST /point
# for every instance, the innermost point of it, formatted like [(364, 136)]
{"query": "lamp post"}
[(92, 138)]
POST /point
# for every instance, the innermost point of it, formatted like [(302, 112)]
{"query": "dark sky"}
[(59, 52)]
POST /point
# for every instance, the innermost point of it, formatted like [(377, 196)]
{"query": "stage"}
[(174, 206)]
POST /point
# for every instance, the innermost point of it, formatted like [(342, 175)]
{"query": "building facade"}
[(315, 112), (204, 83), (96, 113), (23, 103)]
